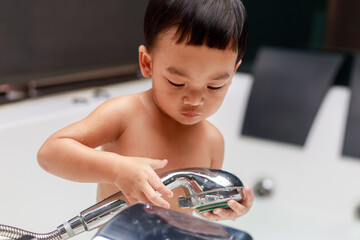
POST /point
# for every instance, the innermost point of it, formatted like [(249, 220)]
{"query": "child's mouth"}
[(191, 114)]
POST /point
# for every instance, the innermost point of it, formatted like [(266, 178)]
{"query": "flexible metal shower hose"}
[(15, 233)]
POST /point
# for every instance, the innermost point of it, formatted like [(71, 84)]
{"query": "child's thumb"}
[(156, 164)]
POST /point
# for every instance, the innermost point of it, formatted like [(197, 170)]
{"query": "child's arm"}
[(70, 153)]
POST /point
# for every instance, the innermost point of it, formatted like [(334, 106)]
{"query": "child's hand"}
[(236, 209), (138, 181)]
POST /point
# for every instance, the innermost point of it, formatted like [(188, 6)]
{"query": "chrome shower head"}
[(206, 189)]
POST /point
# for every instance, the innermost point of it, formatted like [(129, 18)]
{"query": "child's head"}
[(217, 24), (193, 48)]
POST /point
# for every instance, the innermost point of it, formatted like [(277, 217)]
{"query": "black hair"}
[(220, 24)]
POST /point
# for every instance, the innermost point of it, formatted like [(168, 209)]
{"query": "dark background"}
[(42, 38), (311, 25)]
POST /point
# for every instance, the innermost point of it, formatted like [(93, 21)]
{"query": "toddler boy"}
[(193, 49)]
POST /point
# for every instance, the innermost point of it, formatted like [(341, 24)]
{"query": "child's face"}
[(189, 82)]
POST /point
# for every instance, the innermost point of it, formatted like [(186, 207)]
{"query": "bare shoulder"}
[(122, 104), (216, 145), (213, 134), (105, 123), (119, 110)]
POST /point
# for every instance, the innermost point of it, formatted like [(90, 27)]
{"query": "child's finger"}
[(238, 208), (160, 187), (210, 216), (249, 199), (156, 164), (154, 198), (155, 180)]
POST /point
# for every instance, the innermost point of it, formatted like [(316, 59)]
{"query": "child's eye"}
[(175, 84), (214, 88)]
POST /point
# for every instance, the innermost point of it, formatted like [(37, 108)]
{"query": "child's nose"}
[(194, 98)]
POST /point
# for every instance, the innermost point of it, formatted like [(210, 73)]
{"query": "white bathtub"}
[(316, 189)]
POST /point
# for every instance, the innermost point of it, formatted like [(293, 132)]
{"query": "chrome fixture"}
[(144, 221), (207, 189)]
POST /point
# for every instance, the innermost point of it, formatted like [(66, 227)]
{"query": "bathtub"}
[(315, 189)]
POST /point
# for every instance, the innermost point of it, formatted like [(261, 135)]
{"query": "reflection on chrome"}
[(144, 221)]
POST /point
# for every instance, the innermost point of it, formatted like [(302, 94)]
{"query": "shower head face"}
[(207, 188)]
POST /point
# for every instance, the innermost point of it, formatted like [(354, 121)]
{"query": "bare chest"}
[(183, 148)]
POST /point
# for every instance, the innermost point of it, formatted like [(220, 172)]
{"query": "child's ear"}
[(145, 61), (237, 65)]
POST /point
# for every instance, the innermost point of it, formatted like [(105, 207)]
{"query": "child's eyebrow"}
[(176, 72), (222, 76), (217, 77)]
